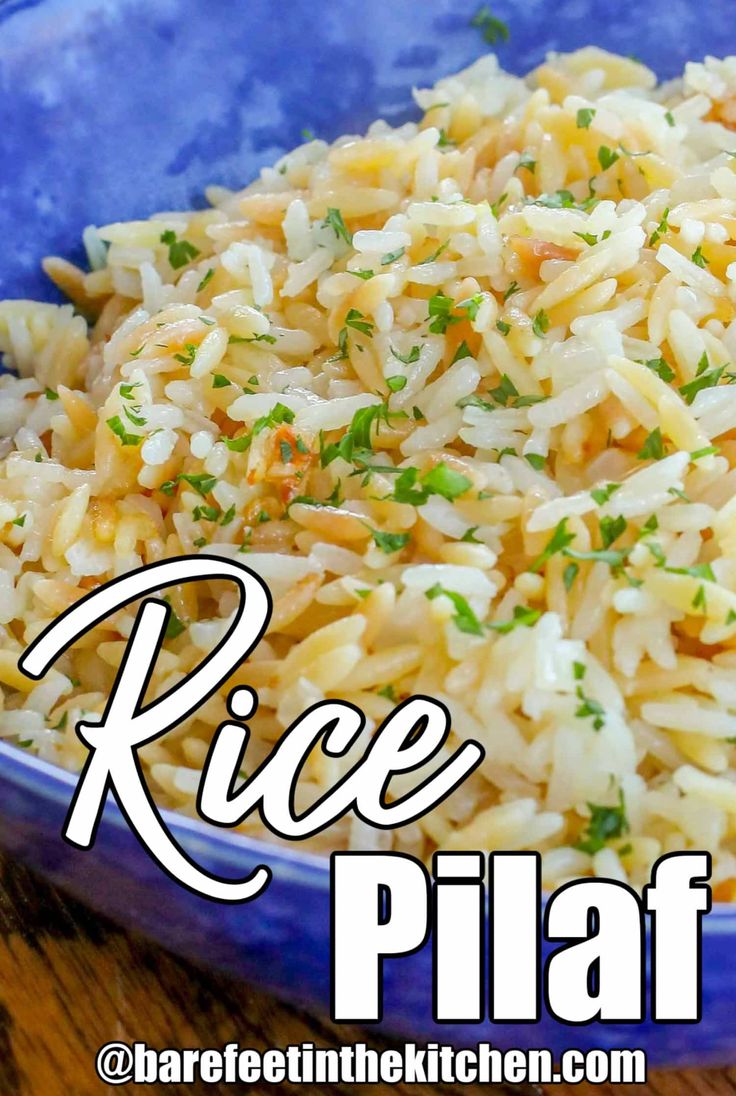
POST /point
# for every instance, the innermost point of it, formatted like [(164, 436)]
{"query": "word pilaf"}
[(462, 393)]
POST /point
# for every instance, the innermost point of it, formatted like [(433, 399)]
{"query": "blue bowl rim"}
[(293, 865)]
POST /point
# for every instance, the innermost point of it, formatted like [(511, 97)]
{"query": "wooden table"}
[(71, 981)]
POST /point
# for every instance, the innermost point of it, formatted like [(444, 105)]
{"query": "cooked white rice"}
[(521, 311)]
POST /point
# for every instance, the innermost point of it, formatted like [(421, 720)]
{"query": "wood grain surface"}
[(71, 981)]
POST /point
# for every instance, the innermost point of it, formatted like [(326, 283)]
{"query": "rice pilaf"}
[(462, 393)]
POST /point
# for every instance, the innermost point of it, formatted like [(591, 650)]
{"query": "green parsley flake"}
[(569, 575), (540, 324), (606, 824), (590, 709), (661, 228), (358, 322), (206, 279), (334, 221), (414, 490), (392, 256), (181, 252), (523, 617), (463, 351), (174, 626), (558, 541), (492, 28), (607, 157), (601, 495), (390, 542), (464, 618), (407, 359), (661, 368), (201, 482), (584, 117), (118, 428), (705, 377), (440, 313), (654, 447)]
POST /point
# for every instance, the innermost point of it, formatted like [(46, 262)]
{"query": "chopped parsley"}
[(435, 254), (464, 618), (698, 570), (463, 351), (661, 228), (661, 368), (407, 359), (181, 252), (699, 258), (492, 28), (336, 223), (396, 383), (50, 394), (190, 353), (527, 163), (219, 380), (471, 305), (653, 448), (558, 541), (278, 414), (513, 288), (590, 708), (358, 322), (523, 617), (414, 490), (390, 542), (357, 439), (118, 428), (174, 626), (503, 327), (705, 377), (607, 157), (540, 324), (505, 394), (601, 495), (611, 529), (584, 117), (606, 824), (569, 575), (440, 313), (201, 482), (206, 279), (392, 256)]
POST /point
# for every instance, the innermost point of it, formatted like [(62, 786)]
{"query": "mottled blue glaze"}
[(111, 109)]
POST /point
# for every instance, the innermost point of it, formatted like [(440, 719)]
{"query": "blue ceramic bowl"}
[(112, 109)]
